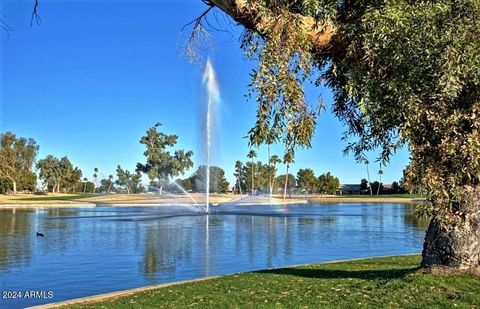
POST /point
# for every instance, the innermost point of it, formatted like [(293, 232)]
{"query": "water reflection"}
[(91, 251)]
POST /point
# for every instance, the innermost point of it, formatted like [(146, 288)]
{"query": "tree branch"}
[(320, 33)]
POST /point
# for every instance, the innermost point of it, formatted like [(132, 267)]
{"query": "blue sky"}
[(91, 79)]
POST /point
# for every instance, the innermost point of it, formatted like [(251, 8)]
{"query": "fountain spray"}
[(213, 96)]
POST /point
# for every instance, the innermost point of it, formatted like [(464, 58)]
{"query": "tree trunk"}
[(286, 184), (84, 187), (253, 177), (109, 187), (455, 245), (14, 184), (160, 189), (369, 183)]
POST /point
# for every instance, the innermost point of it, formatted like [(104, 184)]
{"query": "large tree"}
[(328, 183), (306, 180), (218, 182), (402, 72), (161, 163), (58, 172), (17, 155), (131, 182)]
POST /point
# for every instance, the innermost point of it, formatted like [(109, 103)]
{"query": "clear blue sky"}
[(95, 75)]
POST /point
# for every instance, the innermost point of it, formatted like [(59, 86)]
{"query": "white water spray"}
[(213, 96)]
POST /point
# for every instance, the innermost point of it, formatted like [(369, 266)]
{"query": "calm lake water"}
[(87, 251)]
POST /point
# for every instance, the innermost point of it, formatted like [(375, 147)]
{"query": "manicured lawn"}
[(374, 283)]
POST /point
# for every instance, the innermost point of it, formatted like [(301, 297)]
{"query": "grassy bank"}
[(380, 282), (113, 199)]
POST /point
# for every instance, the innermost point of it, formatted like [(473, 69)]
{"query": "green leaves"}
[(161, 163)]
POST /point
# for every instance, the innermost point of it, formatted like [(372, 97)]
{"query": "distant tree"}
[(328, 183), (161, 164), (368, 176), (218, 182), (27, 182), (376, 186), (380, 173), (288, 158), (106, 184), (363, 185), (186, 184), (57, 172), (395, 187), (131, 182), (110, 183), (306, 180), (85, 180), (252, 155), (281, 180), (17, 155), (274, 160), (95, 172), (239, 174)]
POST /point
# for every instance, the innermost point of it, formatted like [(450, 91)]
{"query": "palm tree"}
[(84, 184), (287, 160), (380, 173), (273, 161), (238, 175), (95, 171), (368, 177), (251, 155), (110, 178)]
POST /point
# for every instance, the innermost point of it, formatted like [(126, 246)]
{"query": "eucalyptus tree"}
[(57, 172), (252, 155), (161, 164), (17, 156), (288, 158), (127, 180), (402, 72)]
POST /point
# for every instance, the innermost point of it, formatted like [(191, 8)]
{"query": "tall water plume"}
[(213, 97)]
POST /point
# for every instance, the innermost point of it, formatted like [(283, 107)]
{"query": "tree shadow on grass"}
[(319, 273)]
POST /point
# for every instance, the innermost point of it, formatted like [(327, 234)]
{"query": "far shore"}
[(92, 200)]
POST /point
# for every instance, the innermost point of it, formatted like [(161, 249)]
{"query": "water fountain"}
[(213, 96)]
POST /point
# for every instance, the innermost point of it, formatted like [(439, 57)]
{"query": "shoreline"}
[(75, 201), (128, 292)]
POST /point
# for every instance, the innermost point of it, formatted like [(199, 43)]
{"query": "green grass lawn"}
[(374, 283)]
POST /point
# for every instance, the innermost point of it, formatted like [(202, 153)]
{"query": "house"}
[(349, 189)]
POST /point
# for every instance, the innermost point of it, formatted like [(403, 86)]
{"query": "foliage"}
[(306, 180), (401, 72), (371, 283), (17, 155), (161, 164), (218, 182), (58, 172), (27, 182), (327, 183), (376, 186), (280, 182), (130, 182), (364, 185)]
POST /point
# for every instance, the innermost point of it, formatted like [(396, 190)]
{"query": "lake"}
[(88, 251)]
